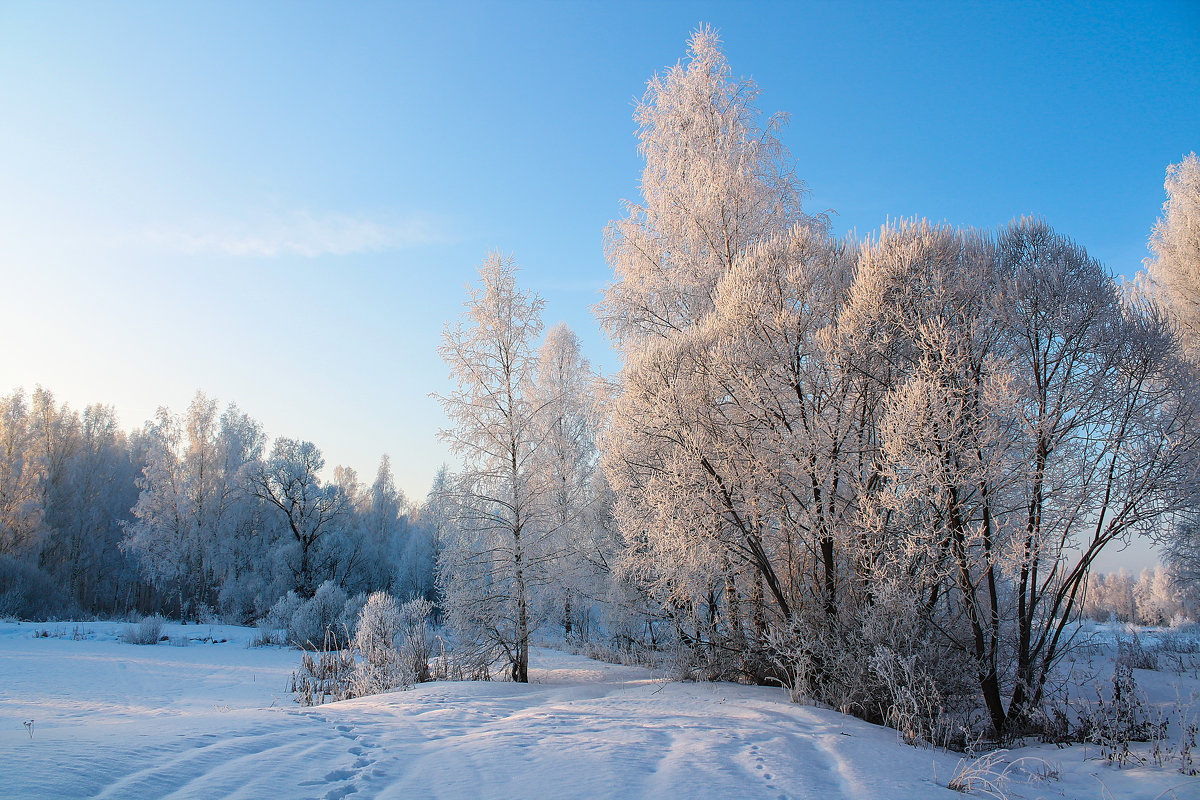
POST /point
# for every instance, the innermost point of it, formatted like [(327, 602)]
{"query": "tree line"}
[(190, 515)]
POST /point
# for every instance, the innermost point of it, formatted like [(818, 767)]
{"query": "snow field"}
[(113, 720)]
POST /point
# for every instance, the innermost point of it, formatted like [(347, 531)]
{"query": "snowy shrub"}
[(462, 659), (237, 598), (1188, 729), (985, 775), (1182, 638), (991, 773), (280, 615), (147, 631), (1124, 718), (391, 642), (316, 623), (1131, 653), (599, 650), (790, 654), (413, 639), (267, 636), (915, 706), (320, 619), (380, 668), (323, 677), (204, 614)]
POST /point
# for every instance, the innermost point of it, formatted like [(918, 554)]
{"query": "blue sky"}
[(282, 203)]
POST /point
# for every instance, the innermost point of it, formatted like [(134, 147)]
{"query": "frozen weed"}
[(989, 774), (1131, 653), (147, 631)]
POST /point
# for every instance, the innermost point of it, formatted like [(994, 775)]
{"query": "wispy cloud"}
[(298, 234)]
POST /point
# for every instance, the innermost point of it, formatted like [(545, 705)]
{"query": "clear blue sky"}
[(282, 203)]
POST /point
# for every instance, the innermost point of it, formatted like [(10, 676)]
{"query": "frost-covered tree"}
[(1110, 596), (1108, 423), (428, 528), (244, 533), (54, 432), (731, 447), (716, 181), (97, 496), (385, 525), (20, 511), (1156, 596), (177, 515), (717, 186), (66, 488), (840, 458), (193, 527), (568, 458), (368, 544), (1181, 551), (1035, 419), (290, 482), (162, 536), (499, 555), (1174, 268)]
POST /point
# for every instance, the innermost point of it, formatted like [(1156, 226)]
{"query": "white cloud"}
[(299, 233)]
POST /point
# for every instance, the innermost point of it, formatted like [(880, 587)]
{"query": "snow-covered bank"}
[(211, 719)]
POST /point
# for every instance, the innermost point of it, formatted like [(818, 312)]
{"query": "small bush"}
[(379, 667), (280, 615), (148, 631), (413, 640), (462, 661), (1181, 639), (204, 614), (1187, 746), (915, 707), (1131, 653), (267, 636), (392, 643), (352, 611), (990, 774), (325, 676), (316, 622), (1123, 719)]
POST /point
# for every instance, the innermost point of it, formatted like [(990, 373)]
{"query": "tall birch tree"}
[(497, 559)]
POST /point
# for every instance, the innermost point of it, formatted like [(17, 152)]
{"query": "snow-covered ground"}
[(214, 719)]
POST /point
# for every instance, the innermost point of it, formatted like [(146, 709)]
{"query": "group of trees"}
[(824, 458), (67, 487), (190, 515), (1157, 597)]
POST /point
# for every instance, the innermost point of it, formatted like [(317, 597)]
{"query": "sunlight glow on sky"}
[(281, 203)]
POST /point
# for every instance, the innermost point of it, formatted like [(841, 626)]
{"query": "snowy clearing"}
[(214, 719)]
